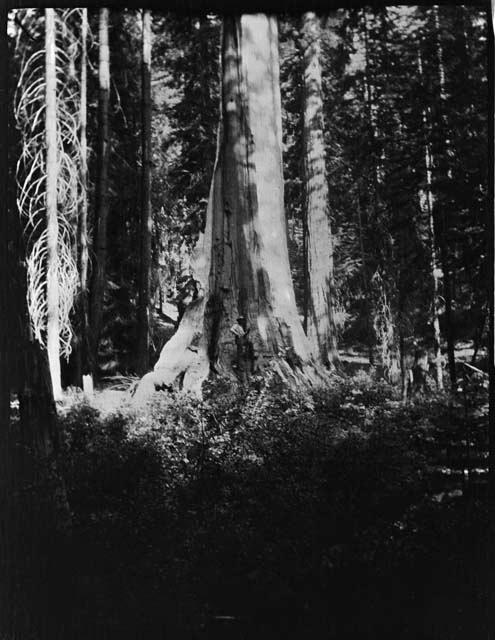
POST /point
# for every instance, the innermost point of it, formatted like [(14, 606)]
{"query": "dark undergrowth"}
[(273, 514)]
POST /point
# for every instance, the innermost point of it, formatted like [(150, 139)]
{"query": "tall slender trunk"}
[(363, 221), (490, 605), (442, 214), (52, 286), (368, 307), (102, 197), (84, 345), (321, 328), (243, 318), (369, 95), (435, 278), (146, 219)]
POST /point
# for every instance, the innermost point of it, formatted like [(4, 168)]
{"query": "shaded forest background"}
[(383, 105)]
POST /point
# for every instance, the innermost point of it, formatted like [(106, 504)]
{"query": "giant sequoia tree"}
[(243, 313)]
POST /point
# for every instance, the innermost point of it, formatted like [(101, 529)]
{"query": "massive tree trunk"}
[(52, 285), (243, 317), (102, 207), (146, 220), (320, 328)]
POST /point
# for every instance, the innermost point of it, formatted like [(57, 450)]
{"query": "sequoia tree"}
[(242, 316), (320, 324)]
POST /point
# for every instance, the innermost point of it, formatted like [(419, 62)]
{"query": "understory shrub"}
[(253, 502)]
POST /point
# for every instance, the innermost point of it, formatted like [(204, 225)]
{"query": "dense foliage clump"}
[(276, 507)]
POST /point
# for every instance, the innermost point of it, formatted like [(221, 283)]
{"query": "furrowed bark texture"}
[(321, 328), (52, 286), (241, 264), (146, 220), (84, 345), (98, 284)]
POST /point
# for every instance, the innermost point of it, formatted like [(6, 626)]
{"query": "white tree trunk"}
[(241, 264), (52, 287)]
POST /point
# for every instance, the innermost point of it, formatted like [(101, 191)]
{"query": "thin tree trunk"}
[(442, 217), (372, 139), (435, 275), (52, 287), (84, 344), (321, 328), (490, 605), (370, 333), (362, 226), (102, 198), (243, 318), (146, 219)]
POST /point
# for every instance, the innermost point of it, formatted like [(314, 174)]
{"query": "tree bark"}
[(52, 287), (243, 316), (83, 256), (321, 328), (146, 219), (368, 306), (442, 214), (435, 270), (102, 198), (363, 225)]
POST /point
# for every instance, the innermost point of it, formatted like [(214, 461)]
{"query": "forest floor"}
[(270, 513)]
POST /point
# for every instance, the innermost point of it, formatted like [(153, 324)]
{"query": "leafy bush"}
[(262, 499)]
